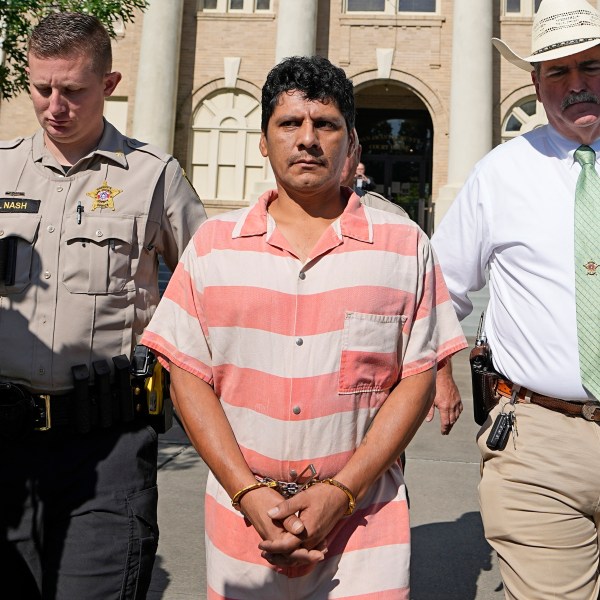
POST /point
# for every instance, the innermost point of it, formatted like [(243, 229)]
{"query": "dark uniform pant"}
[(78, 515)]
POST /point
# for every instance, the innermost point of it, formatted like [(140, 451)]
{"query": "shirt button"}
[(293, 473), (59, 188), (302, 275), (299, 342), (50, 229), (99, 233), (1, 232), (47, 275), (296, 410)]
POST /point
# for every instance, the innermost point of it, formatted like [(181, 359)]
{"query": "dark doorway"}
[(397, 153)]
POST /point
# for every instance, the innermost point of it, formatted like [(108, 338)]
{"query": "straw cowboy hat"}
[(560, 28)]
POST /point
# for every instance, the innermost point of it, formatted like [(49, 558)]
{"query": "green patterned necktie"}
[(587, 271)]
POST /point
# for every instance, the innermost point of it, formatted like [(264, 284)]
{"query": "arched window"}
[(226, 161), (524, 116)]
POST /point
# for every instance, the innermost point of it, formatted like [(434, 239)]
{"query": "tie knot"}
[(585, 155)]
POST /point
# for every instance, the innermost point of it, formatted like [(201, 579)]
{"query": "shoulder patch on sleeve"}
[(149, 149), (9, 144)]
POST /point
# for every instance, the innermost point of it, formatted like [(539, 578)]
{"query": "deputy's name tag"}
[(22, 205)]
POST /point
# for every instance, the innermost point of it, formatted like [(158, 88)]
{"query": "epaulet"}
[(378, 195), (10, 144), (148, 148)]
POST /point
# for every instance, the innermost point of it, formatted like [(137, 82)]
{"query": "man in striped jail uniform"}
[(302, 335)]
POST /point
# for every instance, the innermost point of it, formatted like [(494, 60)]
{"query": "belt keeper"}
[(235, 501), (514, 396), (527, 397)]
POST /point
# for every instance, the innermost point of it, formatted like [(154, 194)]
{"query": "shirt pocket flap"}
[(99, 229), (18, 234), (20, 225), (97, 254)]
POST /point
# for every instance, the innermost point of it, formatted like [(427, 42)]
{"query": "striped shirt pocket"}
[(371, 347)]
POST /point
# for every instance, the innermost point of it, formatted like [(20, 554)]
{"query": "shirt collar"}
[(354, 222), (109, 146), (565, 148)]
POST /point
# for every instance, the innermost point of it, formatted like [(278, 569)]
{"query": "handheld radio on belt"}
[(483, 376)]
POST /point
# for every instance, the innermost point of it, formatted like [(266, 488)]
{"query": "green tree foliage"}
[(17, 17)]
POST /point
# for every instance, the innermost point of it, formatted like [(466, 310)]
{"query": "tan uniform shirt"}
[(378, 201), (88, 242)]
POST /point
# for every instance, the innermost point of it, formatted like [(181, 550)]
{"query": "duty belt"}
[(22, 412), (590, 411), (83, 409), (129, 391)]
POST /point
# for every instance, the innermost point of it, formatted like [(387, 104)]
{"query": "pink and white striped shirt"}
[(302, 356)]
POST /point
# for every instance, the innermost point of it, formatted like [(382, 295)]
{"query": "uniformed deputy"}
[(84, 214)]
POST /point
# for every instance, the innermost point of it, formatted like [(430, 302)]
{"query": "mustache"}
[(579, 97), (306, 157)]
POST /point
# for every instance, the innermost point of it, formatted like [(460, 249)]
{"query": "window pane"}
[(400, 133), (513, 6), (236, 4), (416, 5), (366, 5), (513, 124), (263, 4), (210, 4), (529, 108)]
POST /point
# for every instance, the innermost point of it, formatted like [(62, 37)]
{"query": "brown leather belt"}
[(590, 411)]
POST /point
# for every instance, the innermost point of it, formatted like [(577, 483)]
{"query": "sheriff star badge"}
[(104, 196)]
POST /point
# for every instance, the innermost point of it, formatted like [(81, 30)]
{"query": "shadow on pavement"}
[(447, 559), (177, 458), (160, 580)]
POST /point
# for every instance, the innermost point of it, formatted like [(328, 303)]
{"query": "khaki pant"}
[(540, 505)]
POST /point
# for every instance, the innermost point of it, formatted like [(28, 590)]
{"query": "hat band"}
[(563, 44)]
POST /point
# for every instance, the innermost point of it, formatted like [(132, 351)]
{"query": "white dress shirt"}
[(513, 219)]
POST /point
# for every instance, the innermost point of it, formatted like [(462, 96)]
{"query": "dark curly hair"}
[(63, 34), (316, 78)]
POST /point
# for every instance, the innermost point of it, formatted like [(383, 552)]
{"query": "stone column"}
[(296, 36), (156, 89), (296, 28), (470, 95)]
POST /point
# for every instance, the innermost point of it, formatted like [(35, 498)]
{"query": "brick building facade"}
[(411, 64)]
